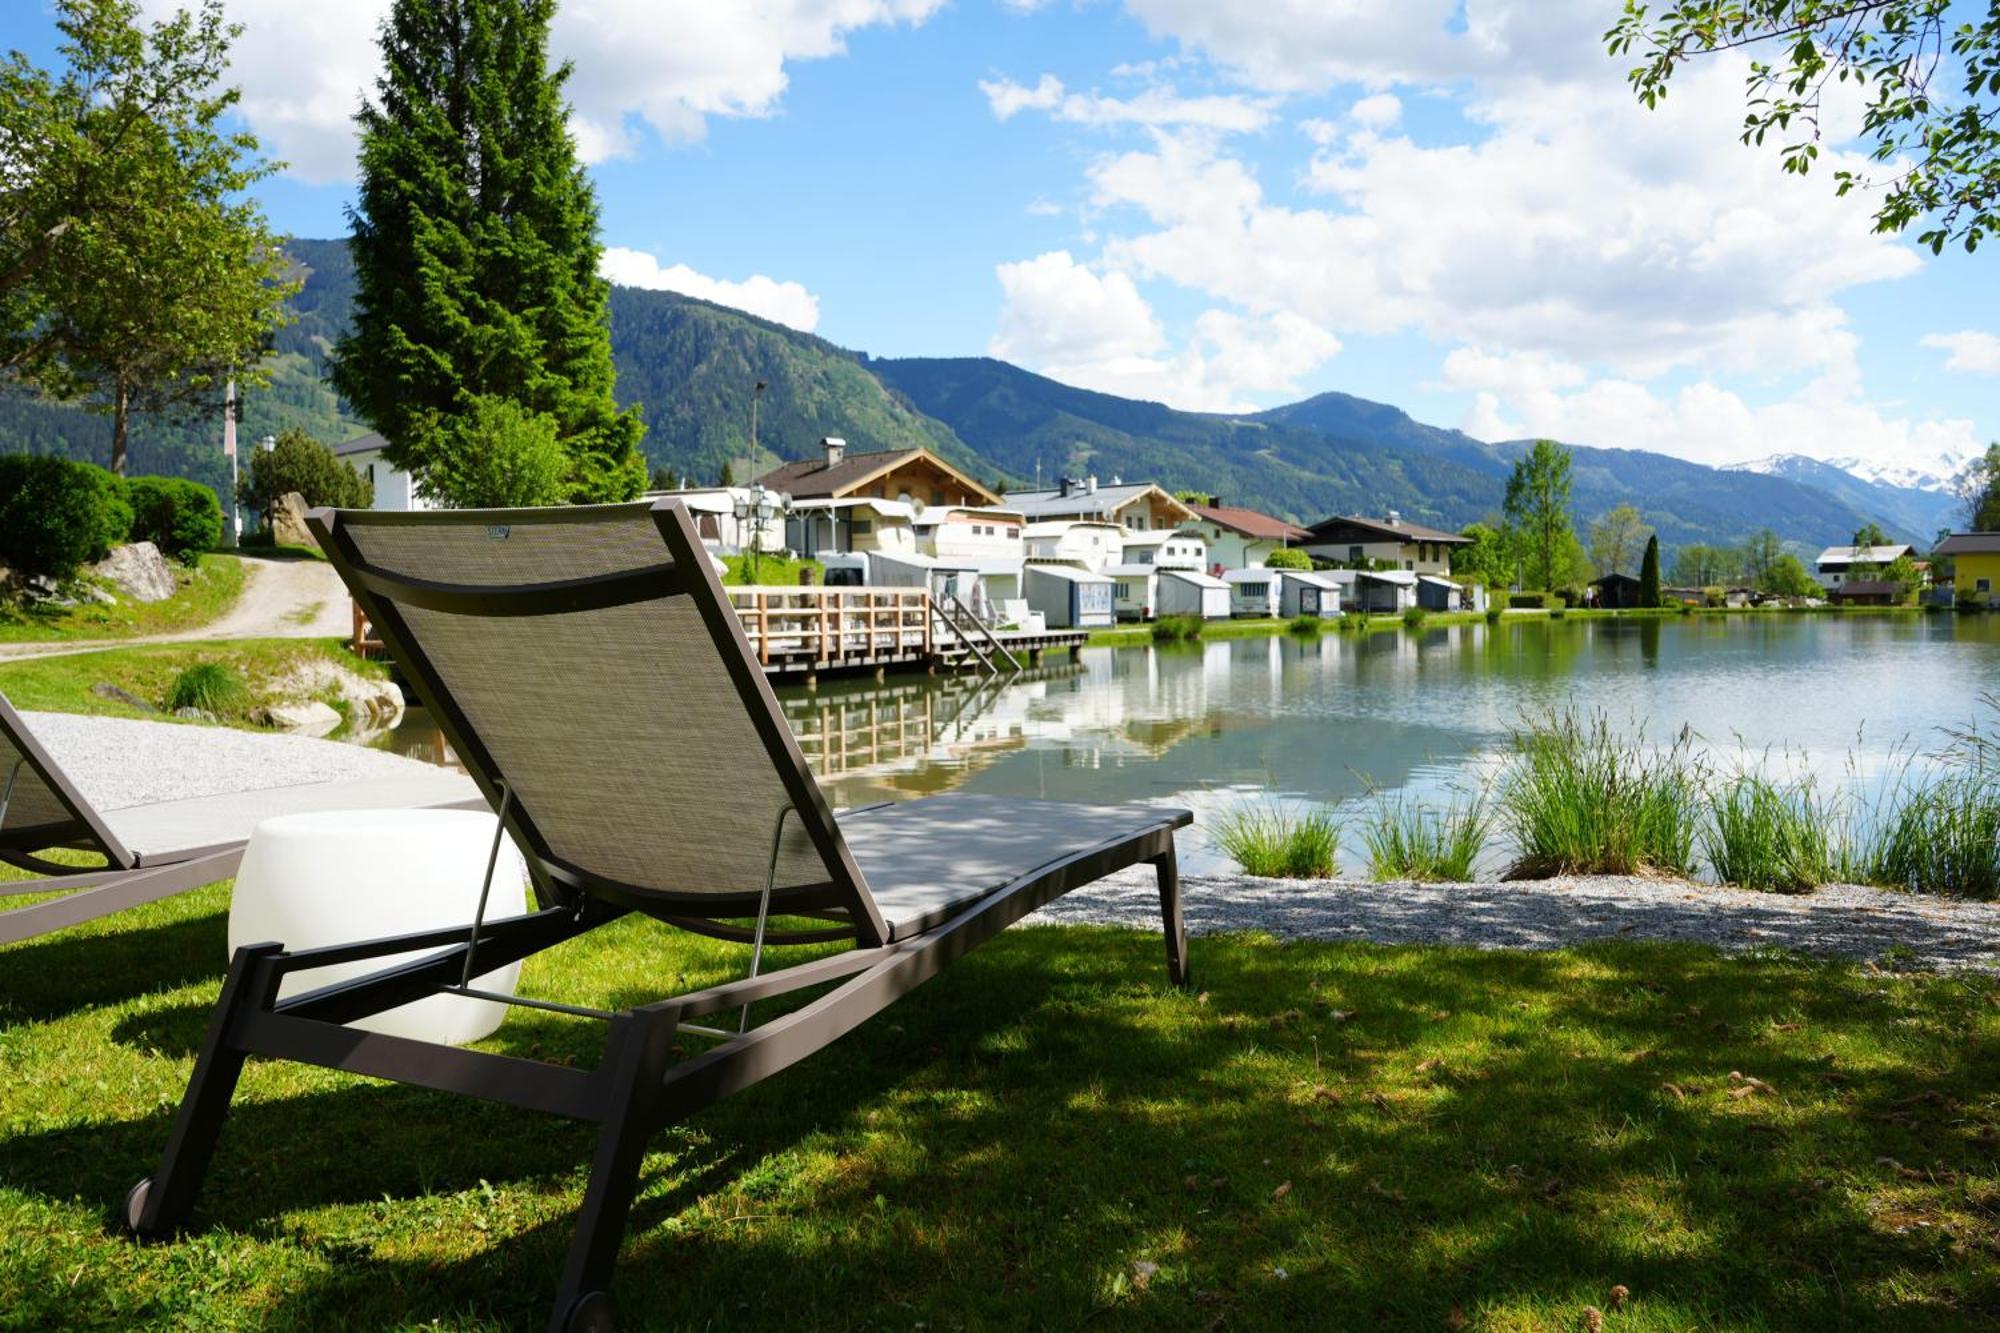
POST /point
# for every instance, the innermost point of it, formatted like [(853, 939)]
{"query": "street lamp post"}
[(756, 393), (757, 507)]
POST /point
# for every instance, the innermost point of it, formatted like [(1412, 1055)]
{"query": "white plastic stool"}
[(338, 876)]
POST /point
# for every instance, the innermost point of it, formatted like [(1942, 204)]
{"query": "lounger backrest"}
[(587, 659), (42, 809)]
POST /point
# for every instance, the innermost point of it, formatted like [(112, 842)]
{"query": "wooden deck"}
[(800, 632)]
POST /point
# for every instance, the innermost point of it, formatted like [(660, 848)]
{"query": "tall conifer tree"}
[(1649, 573), (475, 253)]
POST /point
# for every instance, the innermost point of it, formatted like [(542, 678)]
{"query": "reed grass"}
[(1411, 841), (1278, 844), (209, 687), (1177, 629), (1578, 799), (1414, 616), (1781, 837), (1307, 626)]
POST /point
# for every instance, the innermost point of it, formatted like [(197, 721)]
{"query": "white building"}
[(1836, 563), (1391, 541), (1167, 549), (394, 488), (1088, 544), (952, 532), (1139, 508), (823, 527), (1241, 538), (1254, 592)]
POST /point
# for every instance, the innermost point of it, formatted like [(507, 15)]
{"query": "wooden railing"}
[(856, 626)]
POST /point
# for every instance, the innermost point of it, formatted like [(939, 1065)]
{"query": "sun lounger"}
[(587, 667), (153, 851)]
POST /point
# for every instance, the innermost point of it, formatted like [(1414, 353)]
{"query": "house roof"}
[(1103, 500), (1194, 576), (360, 444), (1069, 573), (1255, 574), (1863, 555), (1056, 527), (1317, 578), (1250, 523), (1969, 543), (1392, 529), (815, 478)]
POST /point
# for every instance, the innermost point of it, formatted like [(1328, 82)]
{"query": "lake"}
[(1327, 721)]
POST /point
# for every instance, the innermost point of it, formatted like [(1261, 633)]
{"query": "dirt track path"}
[(281, 599)]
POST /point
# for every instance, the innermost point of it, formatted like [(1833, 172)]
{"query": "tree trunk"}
[(121, 414)]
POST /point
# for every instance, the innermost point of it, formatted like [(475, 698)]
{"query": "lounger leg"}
[(161, 1202), (638, 1050), (1170, 916)]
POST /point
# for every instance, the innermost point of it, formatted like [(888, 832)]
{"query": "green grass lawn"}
[(1047, 1136), (63, 684), (206, 591)]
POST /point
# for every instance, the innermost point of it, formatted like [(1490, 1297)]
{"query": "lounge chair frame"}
[(639, 1085), (124, 880)]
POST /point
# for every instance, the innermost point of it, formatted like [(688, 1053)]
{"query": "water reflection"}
[(1325, 720)]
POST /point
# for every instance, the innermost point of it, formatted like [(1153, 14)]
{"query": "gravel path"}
[(281, 599), (1840, 920), (119, 762)]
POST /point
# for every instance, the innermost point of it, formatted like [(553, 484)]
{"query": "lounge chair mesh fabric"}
[(662, 782)]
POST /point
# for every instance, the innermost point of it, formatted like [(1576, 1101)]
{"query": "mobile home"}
[(1254, 592), (1189, 592), (1302, 593), (1068, 597)]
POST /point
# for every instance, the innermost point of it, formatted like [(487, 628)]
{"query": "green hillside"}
[(691, 364)]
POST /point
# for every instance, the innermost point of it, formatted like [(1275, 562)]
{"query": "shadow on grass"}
[(110, 962), (1502, 1132)]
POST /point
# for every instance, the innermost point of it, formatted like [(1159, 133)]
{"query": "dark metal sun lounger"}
[(586, 666), (153, 851)]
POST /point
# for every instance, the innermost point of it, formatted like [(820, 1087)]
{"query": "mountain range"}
[(692, 364)]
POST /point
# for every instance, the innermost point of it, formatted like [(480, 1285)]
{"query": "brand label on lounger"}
[(498, 531)]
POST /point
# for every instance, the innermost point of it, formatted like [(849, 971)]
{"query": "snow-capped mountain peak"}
[(1938, 472)]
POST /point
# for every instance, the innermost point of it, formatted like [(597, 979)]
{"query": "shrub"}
[(1276, 845), (1413, 617), (496, 454), (1177, 629), (1354, 620), (1288, 557), (1493, 613), (1306, 625), (1532, 601), (56, 513), (1578, 800), (1558, 612), (1765, 836), (183, 518), (1407, 840), (211, 688), (298, 462)]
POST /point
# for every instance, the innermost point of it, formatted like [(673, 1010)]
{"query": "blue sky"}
[(1450, 205)]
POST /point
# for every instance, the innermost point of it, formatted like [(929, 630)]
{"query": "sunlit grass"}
[(1276, 843), (1410, 840), (1578, 798), (1048, 1136)]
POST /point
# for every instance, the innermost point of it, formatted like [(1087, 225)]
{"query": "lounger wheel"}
[(135, 1206), (591, 1313)]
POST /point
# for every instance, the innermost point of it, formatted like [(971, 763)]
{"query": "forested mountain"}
[(692, 365), (1914, 512)]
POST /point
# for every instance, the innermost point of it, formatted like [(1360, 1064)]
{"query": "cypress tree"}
[(475, 255), (1649, 573)]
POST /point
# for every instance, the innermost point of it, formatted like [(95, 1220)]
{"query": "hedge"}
[(181, 517), (56, 514)]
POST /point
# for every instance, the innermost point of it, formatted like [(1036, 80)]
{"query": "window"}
[(1983, 585), (1409, 564), (861, 527), (1354, 553), (937, 497), (1013, 531), (1136, 522), (1257, 591)]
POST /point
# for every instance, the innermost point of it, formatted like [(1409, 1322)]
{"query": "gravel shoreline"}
[(121, 762), (1845, 921)]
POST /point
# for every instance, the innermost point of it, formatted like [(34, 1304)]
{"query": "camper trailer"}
[(1189, 592), (1253, 592), (1305, 593)]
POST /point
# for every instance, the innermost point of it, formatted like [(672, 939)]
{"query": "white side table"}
[(338, 876)]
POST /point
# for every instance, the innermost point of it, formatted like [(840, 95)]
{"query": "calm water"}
[(1327, 721)]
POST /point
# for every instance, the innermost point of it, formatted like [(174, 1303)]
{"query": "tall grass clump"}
[(1275, 844), (1493, 613), (1306, 626), (1578, 799), (1408, 840), (1414, 616), (1176, 629), (1764, 835), (1940, 836), (211, 688), (1354, 621)]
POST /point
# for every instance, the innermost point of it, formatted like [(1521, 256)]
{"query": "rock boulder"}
[(139, 571), (288, 521)]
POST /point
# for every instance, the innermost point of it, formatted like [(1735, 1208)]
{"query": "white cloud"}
[(1517, 395), (787, 303), (1153, 106), (1377, 112), (1576, 225), (1972, 351), (1096, 331), (666, 65)]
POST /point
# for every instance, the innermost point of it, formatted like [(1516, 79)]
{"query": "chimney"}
[(1090, 485), (1066, 485), (1395, 516), (836, 449)]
